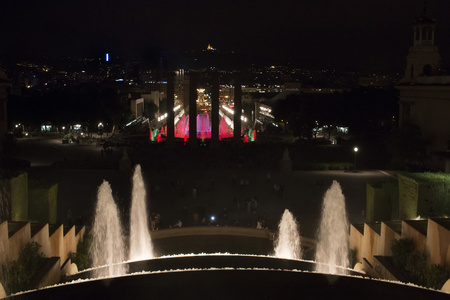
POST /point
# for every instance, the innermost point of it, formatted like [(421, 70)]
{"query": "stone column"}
[(215, 111), (170, 139), (193, 110), (237, 109)]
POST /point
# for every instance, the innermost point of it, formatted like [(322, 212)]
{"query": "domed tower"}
[(423, 57), (424, 95)]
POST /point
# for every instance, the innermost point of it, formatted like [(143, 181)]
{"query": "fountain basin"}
[(230, 276), (213, 239), (206, 261)]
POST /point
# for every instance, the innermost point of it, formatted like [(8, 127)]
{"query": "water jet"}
[(332, 238)]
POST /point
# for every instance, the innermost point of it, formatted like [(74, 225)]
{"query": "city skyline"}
[(351, 34)]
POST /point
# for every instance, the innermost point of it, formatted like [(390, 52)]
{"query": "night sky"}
[(352, 34)]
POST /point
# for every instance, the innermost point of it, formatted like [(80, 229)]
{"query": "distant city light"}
[(107, 57), (160, 118)]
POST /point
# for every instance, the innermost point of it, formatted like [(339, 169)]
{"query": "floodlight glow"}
[(107, 57)]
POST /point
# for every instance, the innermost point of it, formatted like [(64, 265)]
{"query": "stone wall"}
[(53, 244), (355, 241), (438, 243), (41, 237), (388, 236), (381, 201), (4, 242), (431, 236), (423, 194), (414, 233), (370, 243), (408, 190), (14, 198), (19, 239), (42, 206)]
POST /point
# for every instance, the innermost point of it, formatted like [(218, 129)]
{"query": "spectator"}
[(178, 224)]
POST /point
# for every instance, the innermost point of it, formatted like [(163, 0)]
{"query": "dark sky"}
[(360, 34)]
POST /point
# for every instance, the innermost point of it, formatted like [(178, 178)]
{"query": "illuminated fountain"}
[(203, 121), (182, 127), (332, 240), (288, 244), (107, 247), (287, 275), (140, 240), (203, 127), (224, 129), (154, 135)]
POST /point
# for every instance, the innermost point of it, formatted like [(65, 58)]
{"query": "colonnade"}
[(192, 101)]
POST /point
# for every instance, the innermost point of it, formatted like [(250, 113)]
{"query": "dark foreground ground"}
[(231, 277)]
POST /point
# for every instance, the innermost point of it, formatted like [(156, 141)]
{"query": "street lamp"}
[(100, 129), (356, 151)]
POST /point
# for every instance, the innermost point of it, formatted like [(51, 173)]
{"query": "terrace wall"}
[(57, 244), (435, 243)]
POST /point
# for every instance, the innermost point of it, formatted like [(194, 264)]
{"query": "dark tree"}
[(407, 148)]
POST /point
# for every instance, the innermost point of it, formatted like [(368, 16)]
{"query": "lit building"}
[(425, 94)]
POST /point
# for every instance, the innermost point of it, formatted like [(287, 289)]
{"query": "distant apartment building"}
[(137, 107)]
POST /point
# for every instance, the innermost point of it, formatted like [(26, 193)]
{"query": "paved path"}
[(170, 177)]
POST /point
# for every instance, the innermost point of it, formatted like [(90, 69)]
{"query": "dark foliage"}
[(368, 112), (86, 104), (415, 267), (406, 147), (81, 258), (16, 275)]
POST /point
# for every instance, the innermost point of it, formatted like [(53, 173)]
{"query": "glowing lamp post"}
[(356, 151), (100, 129)]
